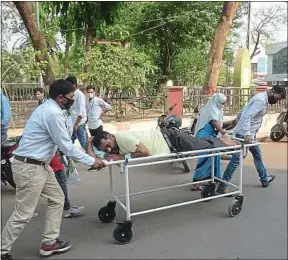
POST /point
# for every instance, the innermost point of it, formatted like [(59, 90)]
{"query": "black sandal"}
[(270, 179)]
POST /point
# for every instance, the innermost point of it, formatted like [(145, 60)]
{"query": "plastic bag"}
[(71, 171)]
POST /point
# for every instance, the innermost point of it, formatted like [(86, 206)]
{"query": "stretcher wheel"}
[(122, 234), (107, 214), (208, 191), (235, 208)]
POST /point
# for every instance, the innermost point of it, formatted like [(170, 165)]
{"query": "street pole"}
[(40, 81), (248, 42)]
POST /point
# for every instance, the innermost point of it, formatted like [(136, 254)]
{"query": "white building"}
[(277, 63)]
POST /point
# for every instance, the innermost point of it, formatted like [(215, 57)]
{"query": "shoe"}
[(269, 179), (74, 211), (6, 257), (58, 247)]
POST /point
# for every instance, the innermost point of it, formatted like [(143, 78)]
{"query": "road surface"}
[(201, 230)]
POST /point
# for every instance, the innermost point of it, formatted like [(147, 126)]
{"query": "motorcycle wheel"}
[(276, 136), (186, 166)]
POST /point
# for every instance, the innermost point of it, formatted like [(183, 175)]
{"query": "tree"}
[(88, 19), (38, 40), (266, 22), (117, 68), (218, 45), (170, 26), (189, 66), (12, 24), (20, 66)]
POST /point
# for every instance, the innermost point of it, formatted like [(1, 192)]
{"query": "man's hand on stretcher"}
[(98, 164), (113, 157), (247, 139), (229, 142)]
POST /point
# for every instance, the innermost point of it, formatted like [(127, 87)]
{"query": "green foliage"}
[(21, 66), (171, 26), (167, 40), (189, 66), (117, 68)]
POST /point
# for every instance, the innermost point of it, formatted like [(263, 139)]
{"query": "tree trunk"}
[(66, 58), (256, 50), (38, 41), (167, 60), (88, 44), (218, 45)]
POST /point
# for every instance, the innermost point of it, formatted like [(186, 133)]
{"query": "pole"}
[(40, 81), (248, 43)]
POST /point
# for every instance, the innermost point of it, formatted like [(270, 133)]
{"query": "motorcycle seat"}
[(8, 143)]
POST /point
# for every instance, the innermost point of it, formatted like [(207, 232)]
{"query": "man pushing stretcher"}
[(152, 142)]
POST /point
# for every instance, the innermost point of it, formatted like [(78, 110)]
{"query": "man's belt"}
[(28, 160)]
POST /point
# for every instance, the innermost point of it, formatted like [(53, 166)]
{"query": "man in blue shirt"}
[(249, 122), (45, 131), (5, 116)]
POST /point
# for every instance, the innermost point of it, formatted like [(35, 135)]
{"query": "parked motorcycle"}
[(280, 130), (228, 125), (191, 128), (7, 148), (172, 121)]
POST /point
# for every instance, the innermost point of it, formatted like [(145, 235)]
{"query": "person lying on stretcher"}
[(152, 142)]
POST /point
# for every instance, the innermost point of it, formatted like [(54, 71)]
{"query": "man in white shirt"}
[(78, 114), (96, 108), (44, 133), (249, 122)]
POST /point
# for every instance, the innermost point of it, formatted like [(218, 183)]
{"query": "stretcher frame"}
[(123, 233)]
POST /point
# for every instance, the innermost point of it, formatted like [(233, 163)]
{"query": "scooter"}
[(280, 130), (172, 121), (7, 148)]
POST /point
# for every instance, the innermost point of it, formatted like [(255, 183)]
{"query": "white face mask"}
[(219, 105), (91, 95)]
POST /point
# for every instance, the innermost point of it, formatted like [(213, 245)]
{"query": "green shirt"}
[(152, 139)]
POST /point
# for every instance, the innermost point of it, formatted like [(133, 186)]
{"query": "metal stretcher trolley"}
[(123, 232)]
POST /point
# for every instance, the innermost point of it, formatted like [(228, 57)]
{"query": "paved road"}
[(201, 230)]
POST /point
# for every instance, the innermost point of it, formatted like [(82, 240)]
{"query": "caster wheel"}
[(235, 208), (208, 191), (106, 215), (122, 234)]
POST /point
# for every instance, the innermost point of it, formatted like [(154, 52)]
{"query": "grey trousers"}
[(33, 181)]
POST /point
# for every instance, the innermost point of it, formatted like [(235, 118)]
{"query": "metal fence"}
[(23, 103), (236, 99)]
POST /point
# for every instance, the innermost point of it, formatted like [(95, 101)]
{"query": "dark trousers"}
[(62, 180), (96, 131)]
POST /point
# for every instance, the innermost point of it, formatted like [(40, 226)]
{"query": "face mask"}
[(91, 95), (220, 106), (68, 103), (272, 100)]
